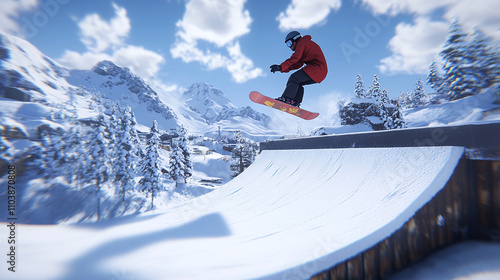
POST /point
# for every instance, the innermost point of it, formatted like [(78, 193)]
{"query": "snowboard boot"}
[(288, 101)]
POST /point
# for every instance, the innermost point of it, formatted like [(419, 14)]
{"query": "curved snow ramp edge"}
[(347, 250)]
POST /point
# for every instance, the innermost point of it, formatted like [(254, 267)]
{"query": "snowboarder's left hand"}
[(275, 67)]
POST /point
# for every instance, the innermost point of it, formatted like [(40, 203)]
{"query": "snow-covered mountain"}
[(216, 109), (207, 100), (28, 76)]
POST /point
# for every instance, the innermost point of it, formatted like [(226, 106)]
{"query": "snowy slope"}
[(24, 67), (481, 108), (469, 260), (289, 215)]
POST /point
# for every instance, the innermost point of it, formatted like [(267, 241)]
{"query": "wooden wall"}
[(468, 207)]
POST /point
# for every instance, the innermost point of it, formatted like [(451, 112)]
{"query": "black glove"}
[(275, 68)]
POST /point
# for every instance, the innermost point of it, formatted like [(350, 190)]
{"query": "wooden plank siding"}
[(468, 207)]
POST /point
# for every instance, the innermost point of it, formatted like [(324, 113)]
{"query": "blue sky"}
[(231, 43)]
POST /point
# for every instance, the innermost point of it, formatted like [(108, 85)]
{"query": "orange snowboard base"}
[(257, 97)]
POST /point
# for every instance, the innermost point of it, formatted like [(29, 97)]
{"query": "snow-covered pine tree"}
[(126, 159), (243, 154), (384, 116), (359, 88), (68, 147), (183, 142), (397, 118), (113, 127), (384, 97), (150, 182), (375, 91), (98, 158), (404, 99), (419, 96), (434, 79), (458, 77), (77, 157), (238, 162), (485, 61), (180, 158), (134, 136), (175, 162), (51, 157)]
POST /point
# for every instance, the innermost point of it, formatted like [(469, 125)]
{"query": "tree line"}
[(108, 152), (468, 63)]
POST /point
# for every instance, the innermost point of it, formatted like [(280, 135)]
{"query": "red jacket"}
[(309, 53)]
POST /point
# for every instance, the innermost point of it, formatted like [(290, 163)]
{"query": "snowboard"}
[(257, 97)]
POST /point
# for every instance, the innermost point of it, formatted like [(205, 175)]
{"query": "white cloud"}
[(484, 14), (240, 66), (10, 11), (415, 45), (141, 61), (106, 41), (395, 7), (86, 60), (189, 52), (99, 35), (306, 13), (220, 23)]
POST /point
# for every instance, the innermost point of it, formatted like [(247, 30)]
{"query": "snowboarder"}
[(305, 51)]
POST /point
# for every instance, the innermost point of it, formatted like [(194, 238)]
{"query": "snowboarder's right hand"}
[(275, 67)]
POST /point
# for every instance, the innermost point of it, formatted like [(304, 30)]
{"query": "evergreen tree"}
[(180, 162), (243, 154), (77, 157), (405, 100), (384, 116), (459, 77), (238, 154), (433, 79), (419, 96), (98, 157), (113, 127), (384, 97), (375, 90), (50, 153), (126, 161), (397, 118), (151, 165), (485, 61), (186, 153), (134, 136), (175, 163), (359, 89)]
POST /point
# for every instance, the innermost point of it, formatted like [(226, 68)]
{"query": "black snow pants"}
[(295, 85)]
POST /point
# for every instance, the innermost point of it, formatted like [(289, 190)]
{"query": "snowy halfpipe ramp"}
[(290, 215)]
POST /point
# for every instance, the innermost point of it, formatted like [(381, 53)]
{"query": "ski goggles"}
[(289, 43)]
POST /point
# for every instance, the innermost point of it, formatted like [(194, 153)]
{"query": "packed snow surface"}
[(469, 260), (291, 214)]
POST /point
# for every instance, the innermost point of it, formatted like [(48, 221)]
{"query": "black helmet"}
[(294, 35)]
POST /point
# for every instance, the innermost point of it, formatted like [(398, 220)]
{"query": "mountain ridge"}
[(27, 75)]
